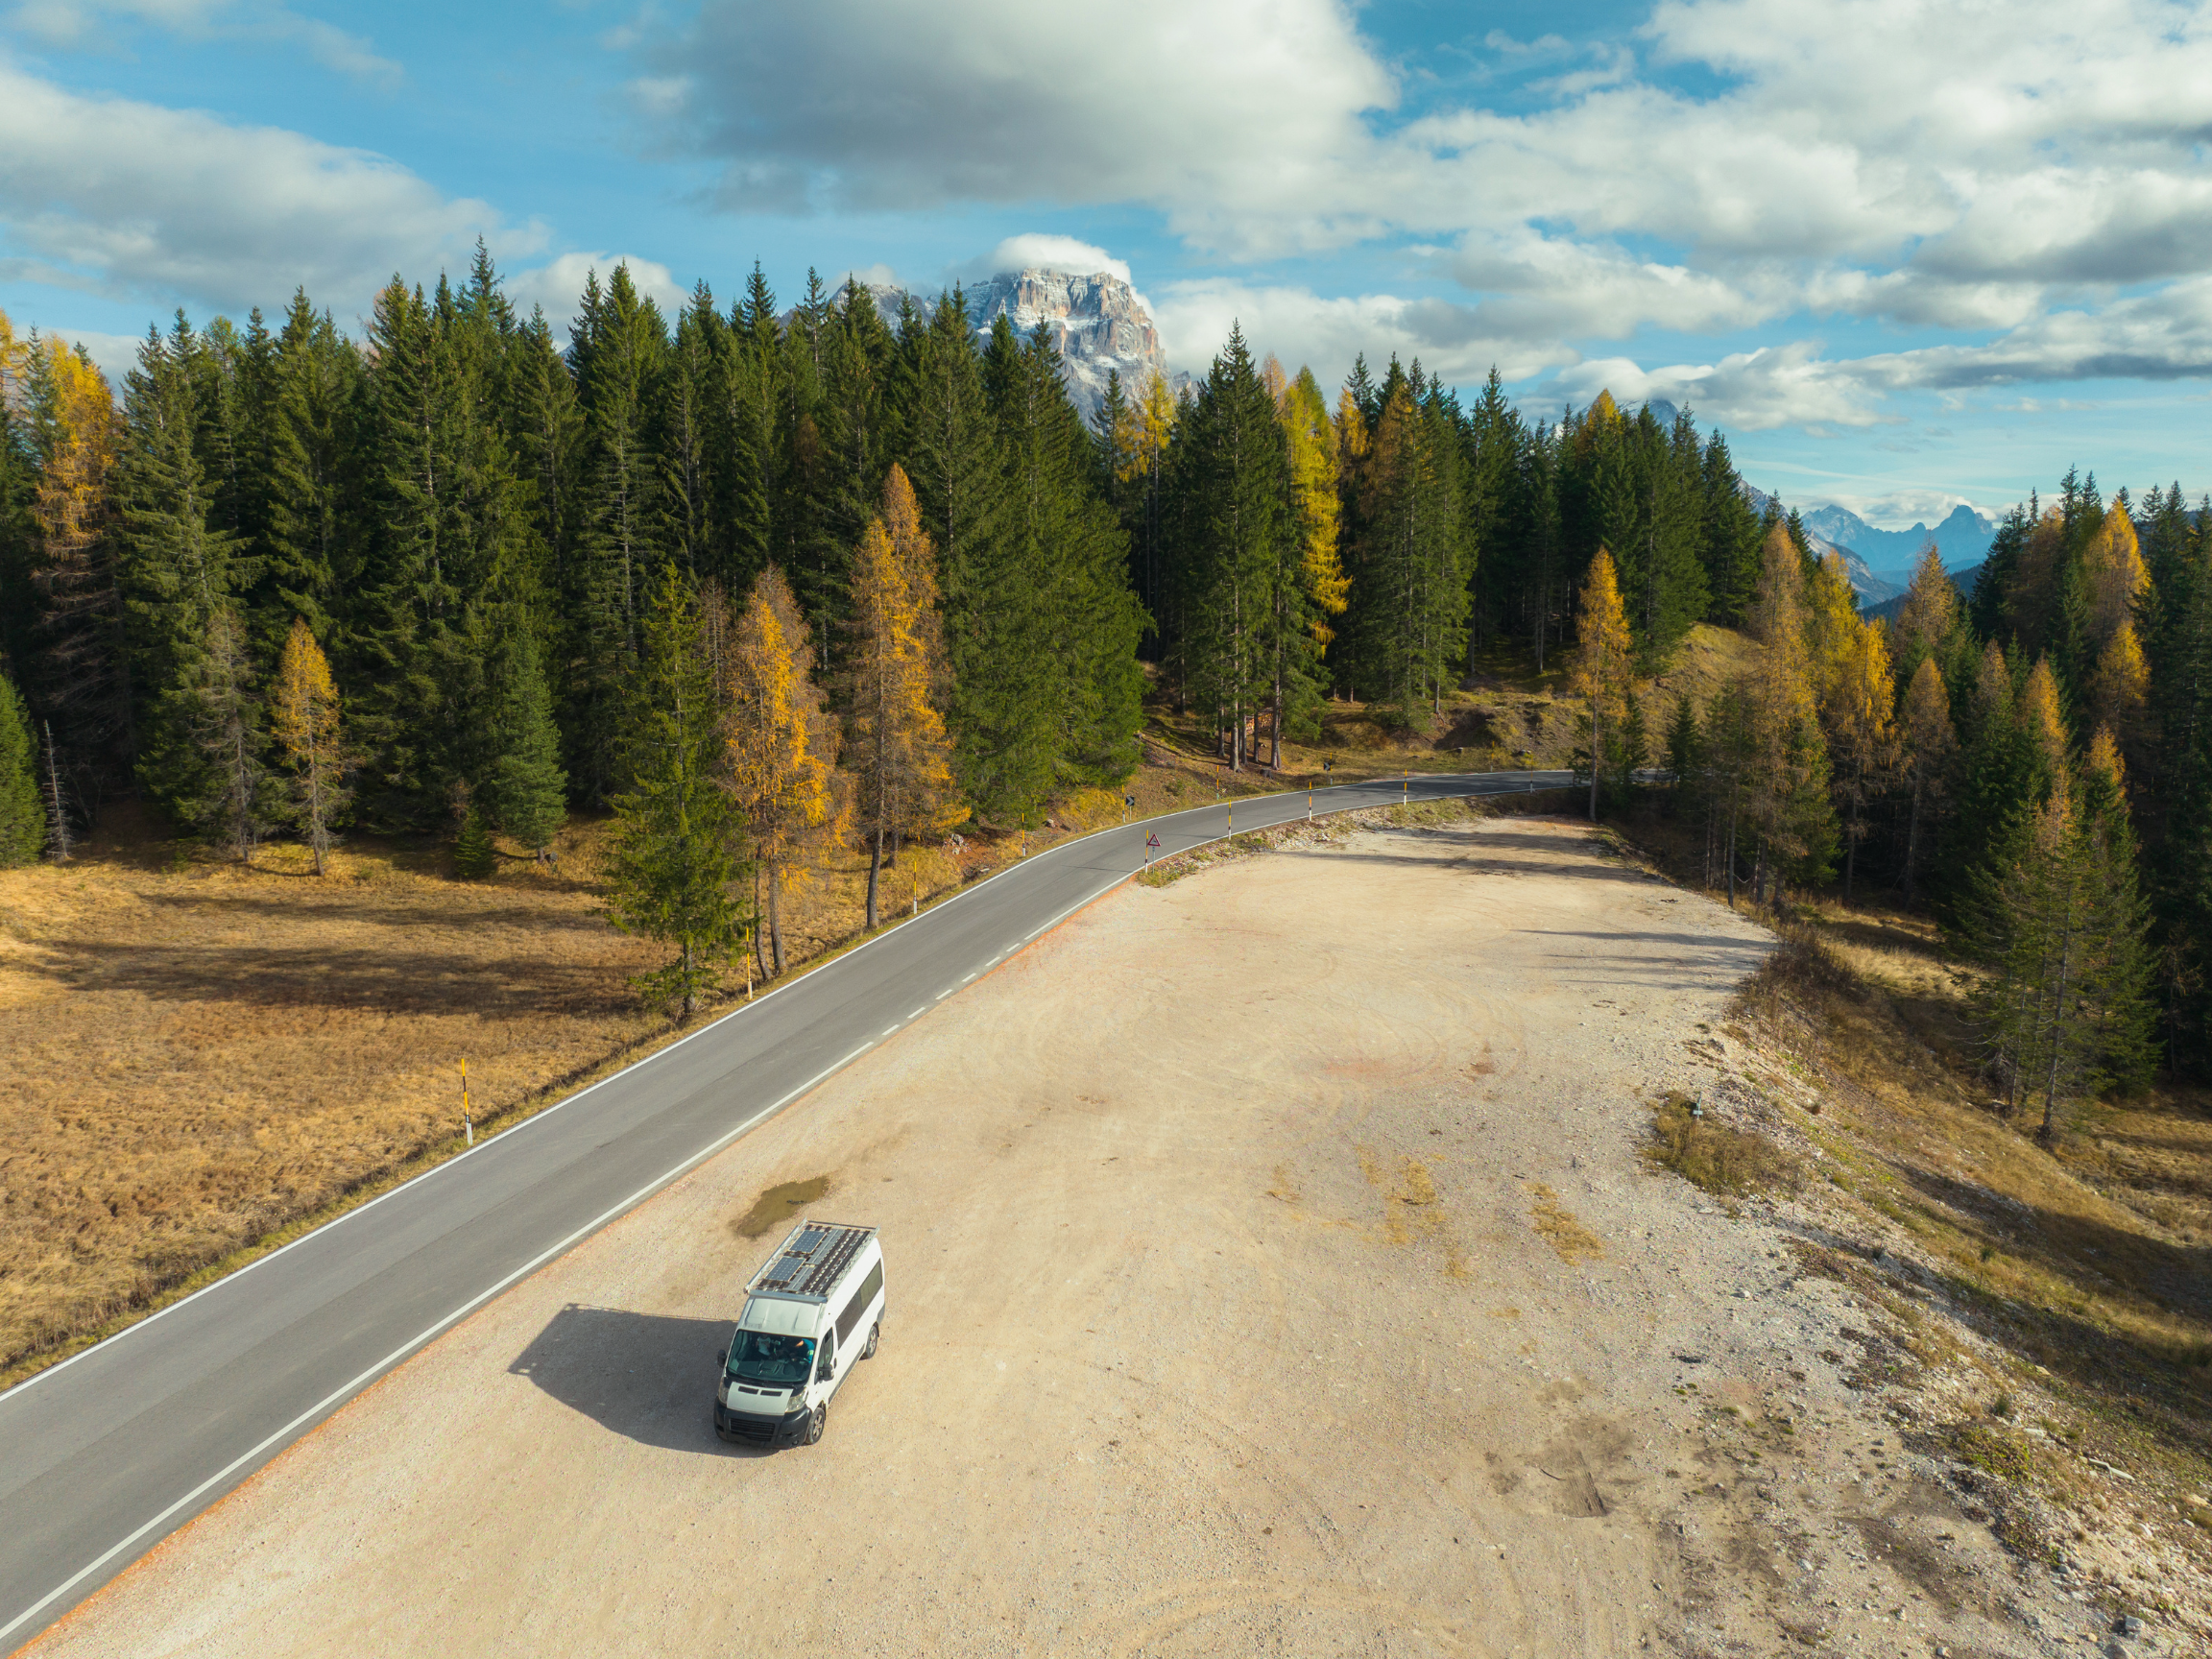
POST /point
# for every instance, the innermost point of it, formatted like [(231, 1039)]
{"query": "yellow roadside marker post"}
[(468, 1124)]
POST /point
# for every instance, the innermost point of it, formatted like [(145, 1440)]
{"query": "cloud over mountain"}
[(2028, 177)]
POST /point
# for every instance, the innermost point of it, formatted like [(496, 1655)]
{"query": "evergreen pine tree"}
[(523, 790), (22, 815), (1732, 535), (231, 798), (674, 864), (309, 446), (618, 355), (1232, 525), (177, 576), (474, 857)]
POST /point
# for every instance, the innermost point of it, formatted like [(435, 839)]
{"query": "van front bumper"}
[(761, 1431)]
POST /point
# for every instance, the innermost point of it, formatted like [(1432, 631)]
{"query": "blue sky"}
[(1905, 255)]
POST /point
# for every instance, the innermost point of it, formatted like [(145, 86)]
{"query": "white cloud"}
[(120, 197), (115, 355), (1043, 252), (1773, 386), (1215, 108), (2023, 172), (91, 24), (1326, 334), (558, 285)]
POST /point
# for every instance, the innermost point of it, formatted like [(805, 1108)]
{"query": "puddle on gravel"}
[(779, 1204)]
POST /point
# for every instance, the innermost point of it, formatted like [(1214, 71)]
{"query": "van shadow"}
[(647, 1377)]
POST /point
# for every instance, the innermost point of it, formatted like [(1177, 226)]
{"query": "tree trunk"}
[(874, 874), (1913, 837), (1851, 852), (2049, 1132), (1732, 789), (690, 989), (1597, 748), (776, 917)]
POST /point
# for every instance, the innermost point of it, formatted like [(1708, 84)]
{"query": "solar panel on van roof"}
[(811, 1261)]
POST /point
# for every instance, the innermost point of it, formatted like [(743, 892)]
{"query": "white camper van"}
[(810, 1315)]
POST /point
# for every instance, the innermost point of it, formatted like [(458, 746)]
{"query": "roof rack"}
[(811, 1261)]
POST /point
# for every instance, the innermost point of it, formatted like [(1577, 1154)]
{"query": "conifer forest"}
[(756, 579)]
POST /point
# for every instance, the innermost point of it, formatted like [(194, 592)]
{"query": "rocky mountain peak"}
[(1095, 320)]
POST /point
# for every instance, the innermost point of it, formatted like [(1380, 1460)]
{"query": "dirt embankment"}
[(1276, 1267)]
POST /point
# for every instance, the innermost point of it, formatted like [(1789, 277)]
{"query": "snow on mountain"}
[(1095, 320), (1962, 539), (1872, 589)]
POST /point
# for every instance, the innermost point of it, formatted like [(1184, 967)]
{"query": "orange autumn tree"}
[(75, 576), (1862, 736), (780, 745), (1929, 741), (1601, 662), (900, 758), (304, 721)]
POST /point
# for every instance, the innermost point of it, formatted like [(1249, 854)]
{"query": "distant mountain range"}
[(1871, 588), (1962, 539), (1880, 562)]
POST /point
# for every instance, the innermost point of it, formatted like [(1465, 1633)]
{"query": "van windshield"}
[(757, 1357)]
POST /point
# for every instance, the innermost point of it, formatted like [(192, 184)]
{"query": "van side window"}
[(862, 1299), (829, 1367)]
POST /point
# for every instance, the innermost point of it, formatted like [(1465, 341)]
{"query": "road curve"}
[(102, 1456)]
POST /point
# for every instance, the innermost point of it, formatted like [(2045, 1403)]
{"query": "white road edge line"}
[(400, 1353)]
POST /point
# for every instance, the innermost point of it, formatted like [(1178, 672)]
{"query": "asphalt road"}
[(102, 1456)]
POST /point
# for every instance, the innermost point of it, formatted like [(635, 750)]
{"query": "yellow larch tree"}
[(1929, 614), (1860, 733), (2114, 572), (2044, 722), (780, 745), (2103, 760), (1274, 380), (303, 718), (1993, 692), (900, 758), (1929, 741), (1784, 784), (1831, 622), (1602, 658), (1311, 440), (15, 360), (72, 507), (2121, 689)]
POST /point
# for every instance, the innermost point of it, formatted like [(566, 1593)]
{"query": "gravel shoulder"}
[(1272, 1270)]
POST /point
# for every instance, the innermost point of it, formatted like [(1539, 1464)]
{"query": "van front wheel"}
[(817, 1422), (875, 1335)]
